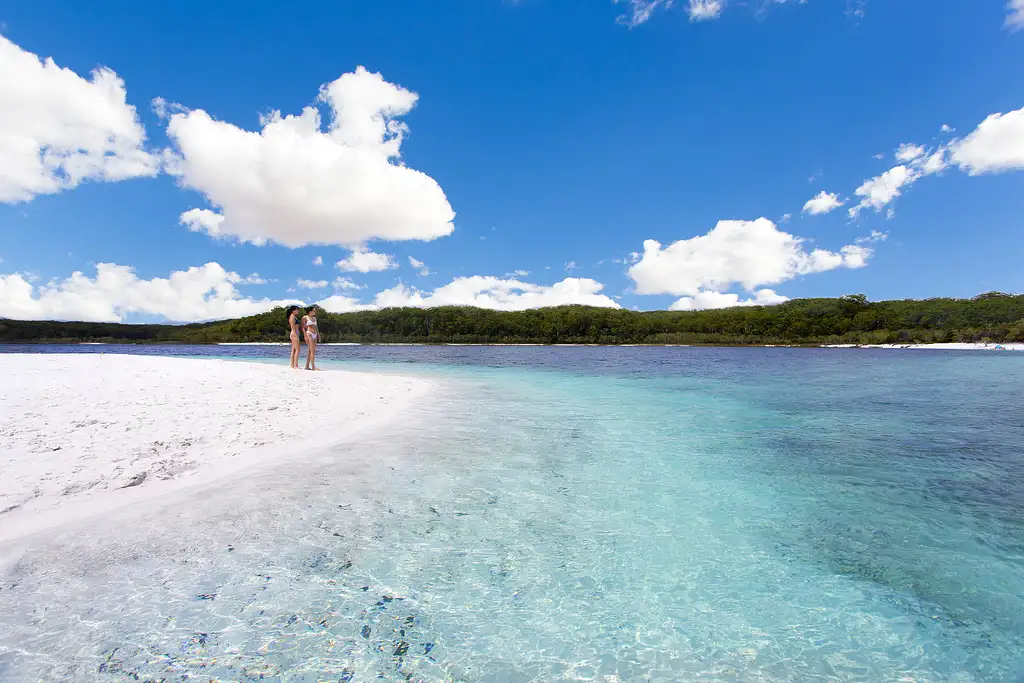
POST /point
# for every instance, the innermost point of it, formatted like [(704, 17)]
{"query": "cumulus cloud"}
[(747, 253), (58, 129), (707, 299), (199, 293), (482, 292), (295, 182), (362, 260), (879, 191), (996, 145), (908, 152), (823, 202), (303, 283), (318, 261), (499, 294), (419, 265), (339, 303)]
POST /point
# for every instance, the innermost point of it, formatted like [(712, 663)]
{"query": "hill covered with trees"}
[(852, 319)]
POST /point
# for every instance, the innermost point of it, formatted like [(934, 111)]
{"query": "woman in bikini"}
[(293, 334), (312, 334)]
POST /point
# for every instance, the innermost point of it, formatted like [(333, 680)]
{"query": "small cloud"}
[(253, 279), (362, 260), (785, 217), (823, 202), (908, 152), (346, 283), (310, 284), (419, 265), (518, 273), (890, 213), (946, 128), (318, 261), (164, 109), (570, 266), (875, 236), (879, 157)]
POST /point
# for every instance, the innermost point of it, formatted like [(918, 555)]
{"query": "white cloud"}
[(362, 260), (58, 129), (946, 128), (303, 283), (879, 191), (254, 279), (339, 303), (748, 253), (1015, 15), (200, 293), (345, 283), (823, 202), (879, 156), (908, 152), (519, 273), (571, 266), (202, 220), (708, 299), (294, 183), (875, 236), (318, 261), (641, 10), (996, 145), (499, 294), (702, 10), (419, 265)]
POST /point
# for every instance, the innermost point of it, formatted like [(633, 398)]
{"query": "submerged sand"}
[(85, 433)]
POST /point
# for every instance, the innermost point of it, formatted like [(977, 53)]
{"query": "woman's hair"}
[(311, 308), (291, 309)]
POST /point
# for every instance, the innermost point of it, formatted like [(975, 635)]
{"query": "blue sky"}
[(562, 135)]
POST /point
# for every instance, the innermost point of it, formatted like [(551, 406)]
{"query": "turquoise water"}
[(579, 514)]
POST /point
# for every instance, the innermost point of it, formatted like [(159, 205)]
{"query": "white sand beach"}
[(84, 434), (948, 346)]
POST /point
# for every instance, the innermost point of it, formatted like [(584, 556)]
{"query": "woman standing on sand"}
[(312, 333), (293, 334)]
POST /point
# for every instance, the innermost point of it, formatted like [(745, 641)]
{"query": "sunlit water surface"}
[(631, 514)]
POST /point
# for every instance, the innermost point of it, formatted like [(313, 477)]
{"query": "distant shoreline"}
[(938, 346)]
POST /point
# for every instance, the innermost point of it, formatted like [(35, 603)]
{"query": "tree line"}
[(851, 319)]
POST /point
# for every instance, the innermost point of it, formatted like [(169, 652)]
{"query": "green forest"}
[(851, 319)]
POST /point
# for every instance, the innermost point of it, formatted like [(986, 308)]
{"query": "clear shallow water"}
[(579, 514)]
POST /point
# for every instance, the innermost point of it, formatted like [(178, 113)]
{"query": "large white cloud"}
[(295, 183), (747, 253), (708, 299), (823, 202), (58, 129), (499, 294), (997, 144), (200, 293)]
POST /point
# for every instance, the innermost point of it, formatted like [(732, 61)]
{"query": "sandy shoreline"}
[(88, 433)]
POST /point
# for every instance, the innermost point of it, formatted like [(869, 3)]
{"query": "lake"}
[(577, 513)]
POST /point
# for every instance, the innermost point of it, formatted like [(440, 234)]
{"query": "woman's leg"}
[(295, 351), (309, 350), (312, 353)]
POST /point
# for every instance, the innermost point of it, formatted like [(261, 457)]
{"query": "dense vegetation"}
[(994, 317)]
